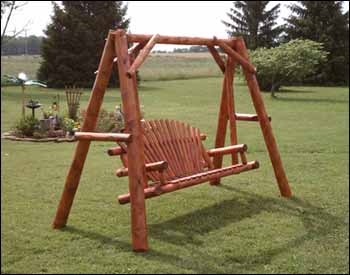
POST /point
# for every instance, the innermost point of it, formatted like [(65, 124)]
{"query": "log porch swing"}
[(168, 153)]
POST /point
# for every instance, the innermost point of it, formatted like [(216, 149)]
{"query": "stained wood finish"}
[(143, 55), (265, 125), (89, 124), (163, 39), (227, 150), (102, 136), (135, 152), (177, 143), (116, 151), (150, 167), (217, 58), (248, 117), (231, 105), (236, 56), (192, 180)]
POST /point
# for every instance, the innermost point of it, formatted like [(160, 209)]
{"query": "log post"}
[(221, 129), (82, 148), (135, 152), (226, 114), (265, 125), (230, 70)]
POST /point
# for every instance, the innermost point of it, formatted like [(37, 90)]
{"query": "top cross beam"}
[(179, 40)]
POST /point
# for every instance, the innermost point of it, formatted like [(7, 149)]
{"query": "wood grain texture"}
[(265, 125), (135, 152), (103, 136), (163, 39)]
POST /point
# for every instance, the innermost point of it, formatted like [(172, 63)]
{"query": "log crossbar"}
[(248, 117), (179, 40), (92, 136), (159, 166), (228, 150)]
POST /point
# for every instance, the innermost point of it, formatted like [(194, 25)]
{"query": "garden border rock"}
[(52, 139)]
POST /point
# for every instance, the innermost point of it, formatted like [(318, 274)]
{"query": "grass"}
[(178, 66), (243, 226)]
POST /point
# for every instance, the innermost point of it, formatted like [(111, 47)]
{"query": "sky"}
[(185, 18)]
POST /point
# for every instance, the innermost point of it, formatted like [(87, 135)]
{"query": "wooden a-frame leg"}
[(265, 125), (226, 114), (136, 164), (82, 148)]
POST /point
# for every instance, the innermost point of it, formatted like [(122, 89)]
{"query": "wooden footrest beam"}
[(181, 183), (248, 117), (103, 136)]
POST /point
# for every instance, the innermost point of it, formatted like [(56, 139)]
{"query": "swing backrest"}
[(177, 143)]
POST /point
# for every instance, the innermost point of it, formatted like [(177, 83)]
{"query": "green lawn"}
[(243, 226)]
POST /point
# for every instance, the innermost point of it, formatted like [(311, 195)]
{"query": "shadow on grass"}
[(188, 228), (292, 91), (310, 100)]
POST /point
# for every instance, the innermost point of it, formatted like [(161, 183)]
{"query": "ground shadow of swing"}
[(315, 220), (180, 230)]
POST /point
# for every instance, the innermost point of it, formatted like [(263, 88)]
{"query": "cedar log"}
[(150, 167), (228, 150), (236, 56), (116, 151), (179, 40), (181, 183), (248, 117), (103, 136), (143, 55), (217, 58), (89, 124)]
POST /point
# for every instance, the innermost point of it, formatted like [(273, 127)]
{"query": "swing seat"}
[(176, 158)]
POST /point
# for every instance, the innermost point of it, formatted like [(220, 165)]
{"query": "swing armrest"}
[(227, 150), (159, 166)]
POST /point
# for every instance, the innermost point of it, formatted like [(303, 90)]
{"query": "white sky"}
[(187, 18)]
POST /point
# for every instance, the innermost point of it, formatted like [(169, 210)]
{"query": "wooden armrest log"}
[(116, 151), (248, 117), (143, 55), (203, 136), (227, 150), (103, 136), (159, 166), (236, 56)]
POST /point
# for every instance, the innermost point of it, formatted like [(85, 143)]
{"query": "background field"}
[(243, 226), (178, 66)]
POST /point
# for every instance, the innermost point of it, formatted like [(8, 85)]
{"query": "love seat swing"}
[(162, 156)]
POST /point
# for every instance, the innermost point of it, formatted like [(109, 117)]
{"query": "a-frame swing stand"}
[(134, 144)]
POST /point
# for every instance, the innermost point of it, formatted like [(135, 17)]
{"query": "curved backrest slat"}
[(175, 142)]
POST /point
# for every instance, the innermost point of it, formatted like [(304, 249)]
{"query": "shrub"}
[(26, 126), (290, 63), (107, 121)]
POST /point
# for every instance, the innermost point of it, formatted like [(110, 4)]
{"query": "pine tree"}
[(75, 40), (325, 22), (254, 22)]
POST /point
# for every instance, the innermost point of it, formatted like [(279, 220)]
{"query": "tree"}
[(7, 10), (323, 21), (254, 22), (289, 63), (75, 40)]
